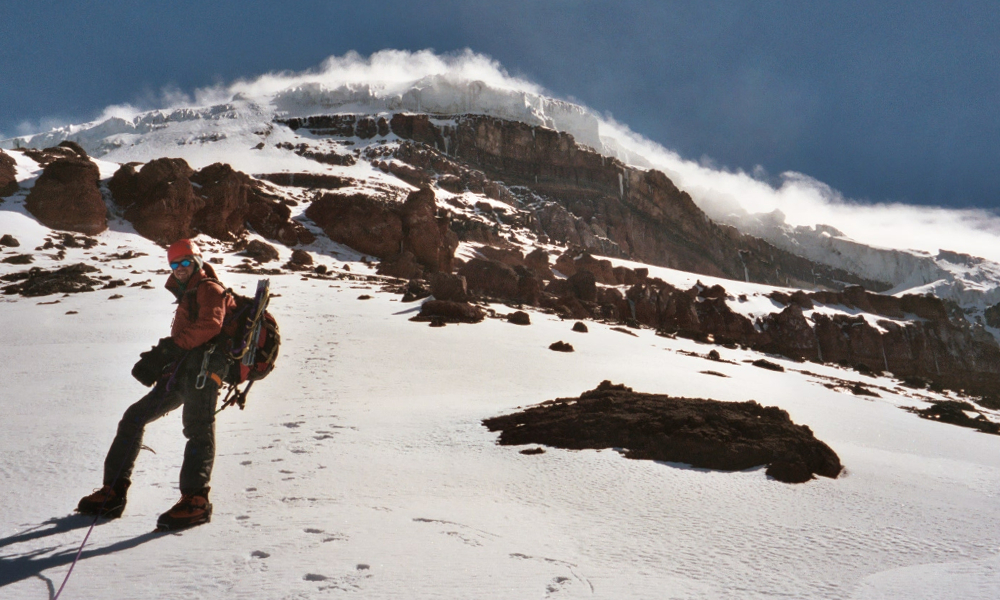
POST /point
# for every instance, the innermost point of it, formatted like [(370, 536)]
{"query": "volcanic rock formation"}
[(725, 436), (67, 196)]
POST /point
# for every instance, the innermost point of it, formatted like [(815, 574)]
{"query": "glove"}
[(170, 348), (152, 362)]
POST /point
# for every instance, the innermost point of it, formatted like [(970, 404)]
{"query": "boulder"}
[(788, 333), (490, 278), (364, 223), (272, 219), (260, 251), (602, 269), (8, 174), (519, 318), (159, 199), (224, 191), (66, 196), (426, 234), (301, 258), (704, 433), (538, 261), (529, 285), (584, 285), (449, 286), (449, 312), (404, 266), (74, 147)]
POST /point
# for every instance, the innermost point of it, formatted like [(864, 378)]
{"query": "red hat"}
[(182, 248)]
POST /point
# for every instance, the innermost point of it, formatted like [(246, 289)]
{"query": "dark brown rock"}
[(365, 223), (301, 257), (224, 192), (601, 269), (416, 289), (66, 196), (763, 363), (580, 327), (260, 251), (538, 261), (404, 266), (18, 259), (519, 318), (955, 413), (9, 241), (159, 199), (37, 281), (366, 128), (603, 204), (8, 174), (789, 333), (508, 256), (449, 286), (317, 181), (449, 312), (707, 434), (490, 278), (561, 346), (529, 285), (75, 147), (584, 286), (425, 234), (271, 218)]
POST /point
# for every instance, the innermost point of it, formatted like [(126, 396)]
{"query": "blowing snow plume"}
[(785, 212)]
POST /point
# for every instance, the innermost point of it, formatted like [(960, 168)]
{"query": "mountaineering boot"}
[(190, 510), (107, 502)]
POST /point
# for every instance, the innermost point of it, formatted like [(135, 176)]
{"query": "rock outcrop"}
[(166, 200), (158, 199), (67, 196), (594, 201), (708, 434), (386, 229), (8, 174), (949, 353), (37, 281)]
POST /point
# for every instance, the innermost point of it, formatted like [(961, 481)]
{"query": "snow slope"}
[(360, 467)]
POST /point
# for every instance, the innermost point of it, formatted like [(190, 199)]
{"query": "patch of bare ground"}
[(709, 434), (40, 282), (957, 412)]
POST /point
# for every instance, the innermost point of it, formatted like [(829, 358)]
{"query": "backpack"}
[(253, 335), (250, 338)]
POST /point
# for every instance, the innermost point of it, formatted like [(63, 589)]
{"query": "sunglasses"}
[(187, 262)]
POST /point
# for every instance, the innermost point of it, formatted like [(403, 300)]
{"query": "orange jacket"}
[(201, 309)]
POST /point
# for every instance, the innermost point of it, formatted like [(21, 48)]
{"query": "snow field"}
[(360, 466)]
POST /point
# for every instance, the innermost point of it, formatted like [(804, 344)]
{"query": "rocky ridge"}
[(521, 195)]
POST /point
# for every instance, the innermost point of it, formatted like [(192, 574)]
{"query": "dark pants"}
[(198, 418)]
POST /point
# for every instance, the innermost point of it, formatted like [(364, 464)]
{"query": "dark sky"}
[(883, 101)]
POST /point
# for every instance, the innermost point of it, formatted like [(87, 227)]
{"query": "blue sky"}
[(884, 101)]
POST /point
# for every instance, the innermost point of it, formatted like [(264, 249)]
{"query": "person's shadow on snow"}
[(18, 567)]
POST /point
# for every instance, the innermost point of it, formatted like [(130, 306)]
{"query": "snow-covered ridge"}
[(222, 124), (972, 282)]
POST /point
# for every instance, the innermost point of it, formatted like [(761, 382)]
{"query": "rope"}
[(97, 517)]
